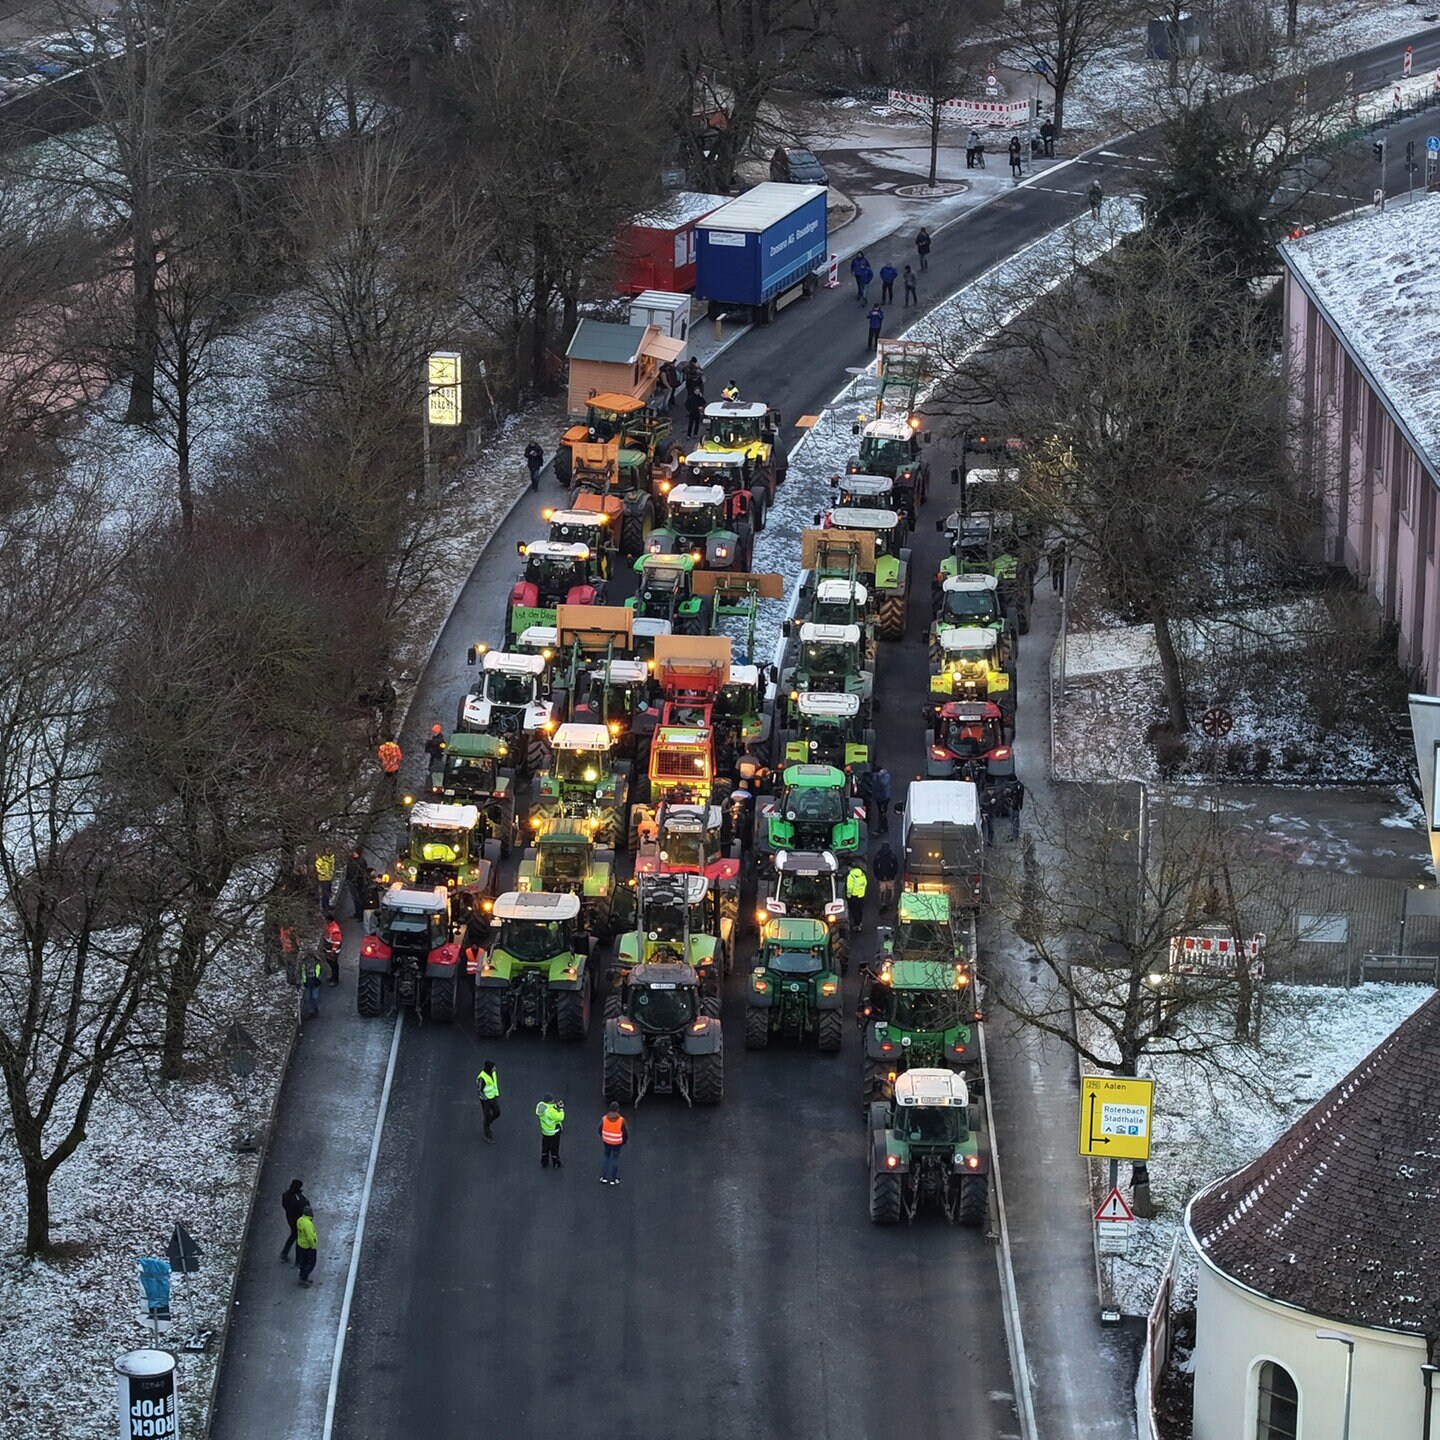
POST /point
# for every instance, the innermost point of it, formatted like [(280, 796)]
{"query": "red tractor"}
[(556, 573), (969, 740)]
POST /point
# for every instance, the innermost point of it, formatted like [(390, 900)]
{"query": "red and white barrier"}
[(832, 273), (1000, 114)]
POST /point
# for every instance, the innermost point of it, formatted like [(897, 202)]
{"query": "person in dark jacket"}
[(295, 1205), (1014, 803), (357, 882), (922, 247), (880, 784), (695, 409), (888, 276), (1015, 156), (886, 869), (875, 319), (670, 379), (863, 274), (1047, 136), (534, 460)]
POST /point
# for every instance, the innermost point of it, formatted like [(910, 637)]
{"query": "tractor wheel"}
[(874, 1081), (744, 547), (830, 1027), (759, 504), (890, 618), (369, 994), (609, 835), (974, 1207), (867, 739), (572, 1013), (635, 530), (884, 1198), (612, 1005), (710, 1005), (840, 950), (934, 648), (622, 1078), (757, 1028), (537, 754), (489, 1012), (442, 1000), (707, 1079), (564, 467)]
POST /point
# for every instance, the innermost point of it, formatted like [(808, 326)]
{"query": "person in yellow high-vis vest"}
[(550, 1112), (487, 1082)]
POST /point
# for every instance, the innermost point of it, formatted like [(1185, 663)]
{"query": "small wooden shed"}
[(623, 359)]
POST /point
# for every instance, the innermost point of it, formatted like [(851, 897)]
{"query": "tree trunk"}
[(934, 138), (186, 491), (1060, 86), (180, 985), (1176, 11), (1170, 672), (37, 1206), (145, 341), (1291, 20)]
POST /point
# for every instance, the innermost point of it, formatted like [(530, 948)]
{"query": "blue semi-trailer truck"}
[(762, 250)]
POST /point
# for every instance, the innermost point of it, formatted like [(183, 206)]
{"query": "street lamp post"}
[(1349, 1344)]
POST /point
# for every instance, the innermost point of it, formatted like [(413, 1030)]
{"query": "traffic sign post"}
[(1115, 1113), (1114, 1208)]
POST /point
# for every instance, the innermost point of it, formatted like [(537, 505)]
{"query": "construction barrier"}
[(832, 273), (999, 114)]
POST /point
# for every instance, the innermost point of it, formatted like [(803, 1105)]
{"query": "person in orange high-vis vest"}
[(614, 1132), (389, 756)]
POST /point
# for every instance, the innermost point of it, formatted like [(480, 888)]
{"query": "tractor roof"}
[(588, 518), (840, 592), (934, 976), (663, 975), (613, 400), (713, 459), (656, 562), (856, 517), (1005, 475), (625, 672), (509, 663), (574, 735), (974, 711), (538, 637), (648, 627), (557, 550), (812, 634), (942, 802), (970, 581), (813, 776), (786, 930), (735, 409), (747, 675), (924, 905), (685, 817), (397, 897), (683, 737), (930, 1088), (867, 484), (476, 747), (666, 884), (889, 427), (683, 495), (967, 637), (833, 707), (444, 817), (537, 905), (807, 862)]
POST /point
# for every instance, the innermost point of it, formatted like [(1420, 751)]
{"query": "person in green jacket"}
[(487, 1083), (551, 1114), (306, 1244)]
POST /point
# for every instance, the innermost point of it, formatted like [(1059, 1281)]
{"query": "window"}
[(1278, 1404)]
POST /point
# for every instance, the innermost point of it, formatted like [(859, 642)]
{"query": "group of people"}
[(361, 883), (863, 273)]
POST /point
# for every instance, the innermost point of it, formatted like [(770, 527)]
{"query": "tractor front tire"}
[(829, 1029), (489, 1012), (572, 1013), (884, 1198), (890, 617), (369, 994), (635, 530), (622, 1078), (840, 950), (442, 1000), (707, 1079), (874, 1081), (757, 1028), (974, 1207)]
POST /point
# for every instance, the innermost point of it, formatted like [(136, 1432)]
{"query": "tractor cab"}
[(925, 1149), (471, 768), (969, 741), (591, 528), (830, 654), (971, 667), (556, 573), (444, 846), (745, 497), (839, 602), (742, 721), (967, 600), (688, 840), (863, 492), (509, 697), (682, 763), (697, 523), (806, 883), (540, 640), (618, 695), (535, 928), (664, 591), (890, 445), (413, 920), (888, 529), (793, 945), (813, 811), (674, 924), (828, 731), (582, 761), (739, 425)]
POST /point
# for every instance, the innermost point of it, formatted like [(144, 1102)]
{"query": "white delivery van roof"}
[(759, 208), (942, 802)]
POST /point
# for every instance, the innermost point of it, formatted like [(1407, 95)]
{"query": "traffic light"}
[(1378, 148), (1409, 154)]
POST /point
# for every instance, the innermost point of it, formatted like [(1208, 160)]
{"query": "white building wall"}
[(1236, 1331)]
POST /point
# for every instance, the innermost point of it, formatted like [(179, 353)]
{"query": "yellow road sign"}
[(1115, 1113), (443, 388)]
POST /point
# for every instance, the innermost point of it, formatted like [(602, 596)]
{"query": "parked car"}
[(790, 165), (17, 73)]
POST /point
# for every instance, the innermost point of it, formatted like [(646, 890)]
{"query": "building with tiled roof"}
[(1335, 1227)]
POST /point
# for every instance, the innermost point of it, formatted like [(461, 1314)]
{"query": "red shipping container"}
[(656, 251)]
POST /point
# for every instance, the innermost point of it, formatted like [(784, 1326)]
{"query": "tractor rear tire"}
[(974, 1207), (622, 1078), (829, 1029), (489, 1012), (884, 1198), (537, 755), (710, 1005), (757, 1028), (707, 1079), (840, 951), (369, 994), (442, 1000), (874, 1081), (635, 530), (890, 617), (572, 1013), (609, 834), (759, 504)]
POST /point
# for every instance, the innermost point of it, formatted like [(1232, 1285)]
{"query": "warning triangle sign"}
[(1113, 1207)]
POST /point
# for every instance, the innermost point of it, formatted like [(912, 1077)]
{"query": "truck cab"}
[(943, 849)]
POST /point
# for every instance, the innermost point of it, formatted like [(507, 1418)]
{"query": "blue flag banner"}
[(155, 1278)]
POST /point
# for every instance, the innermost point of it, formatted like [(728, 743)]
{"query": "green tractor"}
[(665, 593), (586, 779), (411, 960), (890, 447), (825, 729), (813, 811), (445, 846), (538, 971), (831, 660), (918, 1006), (925, 1146), (970, 667), (616, 488), (671, 912), (696, 524), (565, 859), (794, 988), (664, 1040), (964, 601), (871, 492), (807, 885), (889, 574), (472, 771), (983, 543)]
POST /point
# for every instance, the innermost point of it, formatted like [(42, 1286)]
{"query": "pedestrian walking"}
[(1057, 566), (307, 1243), (971, 142), (334, 942), (880, 781), (357, 881), (670, 379), (875, 319), (887, 871), (910, 296), (550, 1112), (1095, 195), (487, 1086), (389, 754), (325, 881), (987, 814), (534, 462), (1015, 156), (862, 273), (865, 789), (922, 246), (614, 1133), (856, 887), (310, 979), (888, 276), (372, 899), (695, 409), (1047, 138), (1015, 803), (294, 1203), (694, 375)]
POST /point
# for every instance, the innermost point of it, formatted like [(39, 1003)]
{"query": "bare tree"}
[(1059, 38)]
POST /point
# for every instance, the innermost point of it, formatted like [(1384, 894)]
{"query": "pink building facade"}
[(1362, 325)]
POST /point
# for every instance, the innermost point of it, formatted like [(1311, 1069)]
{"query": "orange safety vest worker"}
[(612, 1129), (389, 756)]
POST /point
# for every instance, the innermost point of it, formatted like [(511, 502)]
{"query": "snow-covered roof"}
[(680, 209), (1377, 282)]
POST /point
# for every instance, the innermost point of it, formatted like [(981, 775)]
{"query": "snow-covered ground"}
[(1208, 1124)]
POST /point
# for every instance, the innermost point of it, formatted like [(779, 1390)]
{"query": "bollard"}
[(832, 278), (146, 1395), (720, 327)]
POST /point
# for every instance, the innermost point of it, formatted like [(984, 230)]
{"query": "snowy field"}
[(1208, 1124)]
